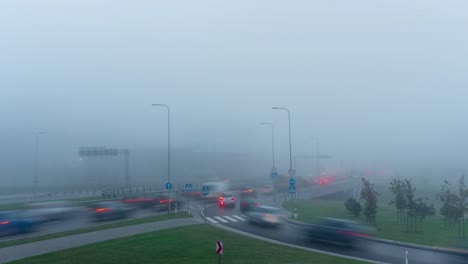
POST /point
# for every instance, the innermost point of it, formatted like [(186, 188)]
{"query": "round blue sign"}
[(168, 186), (292, 181)]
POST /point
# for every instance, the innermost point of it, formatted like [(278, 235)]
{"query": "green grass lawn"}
[(430, 232), (94, 228), (190, 244)]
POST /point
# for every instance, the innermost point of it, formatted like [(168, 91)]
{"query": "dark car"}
[(108, 211), (248, 204), (17, 222), (266, 216), (337, 231)]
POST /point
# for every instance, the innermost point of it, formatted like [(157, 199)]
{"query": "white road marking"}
[(221, 219), (230, 218), (211, 220), (238, 217)]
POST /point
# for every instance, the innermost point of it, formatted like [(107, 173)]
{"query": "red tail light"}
[(100, 210), (351, 233), (4, 223), (222, 203), (221, 198), (232, 198)]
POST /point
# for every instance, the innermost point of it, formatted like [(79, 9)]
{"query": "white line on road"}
[(221, 219), (211, 220), (238, 217), (230, 218)]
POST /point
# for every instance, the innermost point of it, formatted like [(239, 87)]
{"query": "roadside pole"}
[(206, 191)]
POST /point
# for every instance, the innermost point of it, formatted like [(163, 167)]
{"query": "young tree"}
[(449, 201), (422, 209), (408, 193), (353, 206), (396, 187), (369, 195), (462, 206)]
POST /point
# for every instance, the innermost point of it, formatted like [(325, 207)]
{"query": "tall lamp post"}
[(291, 171), (273, 169), (289, 122), (168, 152)]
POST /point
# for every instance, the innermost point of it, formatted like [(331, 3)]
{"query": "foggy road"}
[(295, 235)]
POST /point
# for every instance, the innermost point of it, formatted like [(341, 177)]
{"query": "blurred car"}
[(163, 201), (247, 193), (266, 190), (227, 200), (248, 204), (102, 211), (337, 231), (17, 222), (53, 211), (142, 201), (266, 216)]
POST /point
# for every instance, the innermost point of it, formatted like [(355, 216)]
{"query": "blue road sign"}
[(188, 187), (274, 174), (292, 189), (206, 190), (168, 186), (292, 182)]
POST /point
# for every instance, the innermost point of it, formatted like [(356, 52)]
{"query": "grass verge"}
[(189, 244), (94, 228), (431, 231)]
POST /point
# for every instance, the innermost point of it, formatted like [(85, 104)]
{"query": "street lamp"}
[(168, 149), (36, 154), (290, 152)]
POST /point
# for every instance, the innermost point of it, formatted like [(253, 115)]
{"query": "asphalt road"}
[(81, 220), (294, 234)]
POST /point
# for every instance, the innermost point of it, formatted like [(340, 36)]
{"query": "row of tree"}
[(369, 196), (454, 205), (410, 210)]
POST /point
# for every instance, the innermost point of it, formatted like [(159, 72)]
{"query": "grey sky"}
[(375, 80)]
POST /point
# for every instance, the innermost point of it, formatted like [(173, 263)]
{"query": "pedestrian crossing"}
[(226, 219)]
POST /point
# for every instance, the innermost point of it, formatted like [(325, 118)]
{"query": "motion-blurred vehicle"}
[(140, 201), (266, 189), (17, 222), (337, 231), (227, 200), (248, 204), (53, 211), (163, 201), (265, 216), (110, 210), (216, 189), (247, 192)]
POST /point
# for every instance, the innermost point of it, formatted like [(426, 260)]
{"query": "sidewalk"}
[(41, 247)]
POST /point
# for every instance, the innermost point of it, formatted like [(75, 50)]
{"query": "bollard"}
[(175, 208), (295, 213), (406, 256)]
